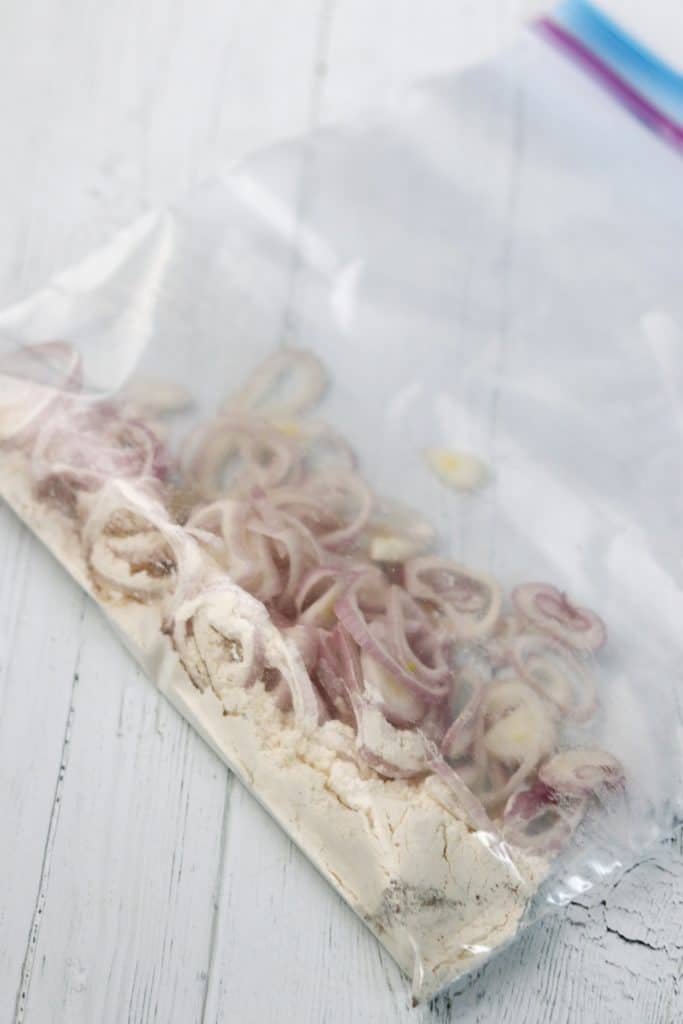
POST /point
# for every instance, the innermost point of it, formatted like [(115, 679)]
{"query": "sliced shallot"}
[(401, 706), (354, 618), (581, 771), (308, 707), (338, 670), (219, 639), (551, 610), (335, 507), (27, 402), (394, 753), (317, 594), (413, 640), (306, 639), (132, 547), (518, 732), (320, 449), (460, 736), (396, 533), (556, 674), (465, 800), (236, 451), (80, 447), (463, 471), (287, 383), (535, 820), (471, 602)]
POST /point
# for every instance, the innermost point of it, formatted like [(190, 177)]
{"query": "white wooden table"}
[(139, 881)]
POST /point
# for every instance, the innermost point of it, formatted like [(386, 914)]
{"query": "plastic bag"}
[(490, 276)]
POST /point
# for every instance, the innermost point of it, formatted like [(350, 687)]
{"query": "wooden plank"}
[(127, 920), (112, 864), (377, 50), (280, 922), (123, 109), (599, 964), (39, 645), (120, 111), (615, 960)]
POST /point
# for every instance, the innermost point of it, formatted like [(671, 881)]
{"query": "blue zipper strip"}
[(643, 70)]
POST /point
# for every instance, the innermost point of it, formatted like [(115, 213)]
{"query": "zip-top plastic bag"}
[(370, 449)]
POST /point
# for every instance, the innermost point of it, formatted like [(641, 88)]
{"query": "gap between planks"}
[(44, 879)]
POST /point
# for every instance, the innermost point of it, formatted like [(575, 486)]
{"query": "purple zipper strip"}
[(614, 83)]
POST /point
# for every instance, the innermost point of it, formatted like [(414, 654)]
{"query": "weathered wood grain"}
[(112, 810), (37, 675), (134, 862)]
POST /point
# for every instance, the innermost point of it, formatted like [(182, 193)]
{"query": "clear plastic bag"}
[(490, 275)]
